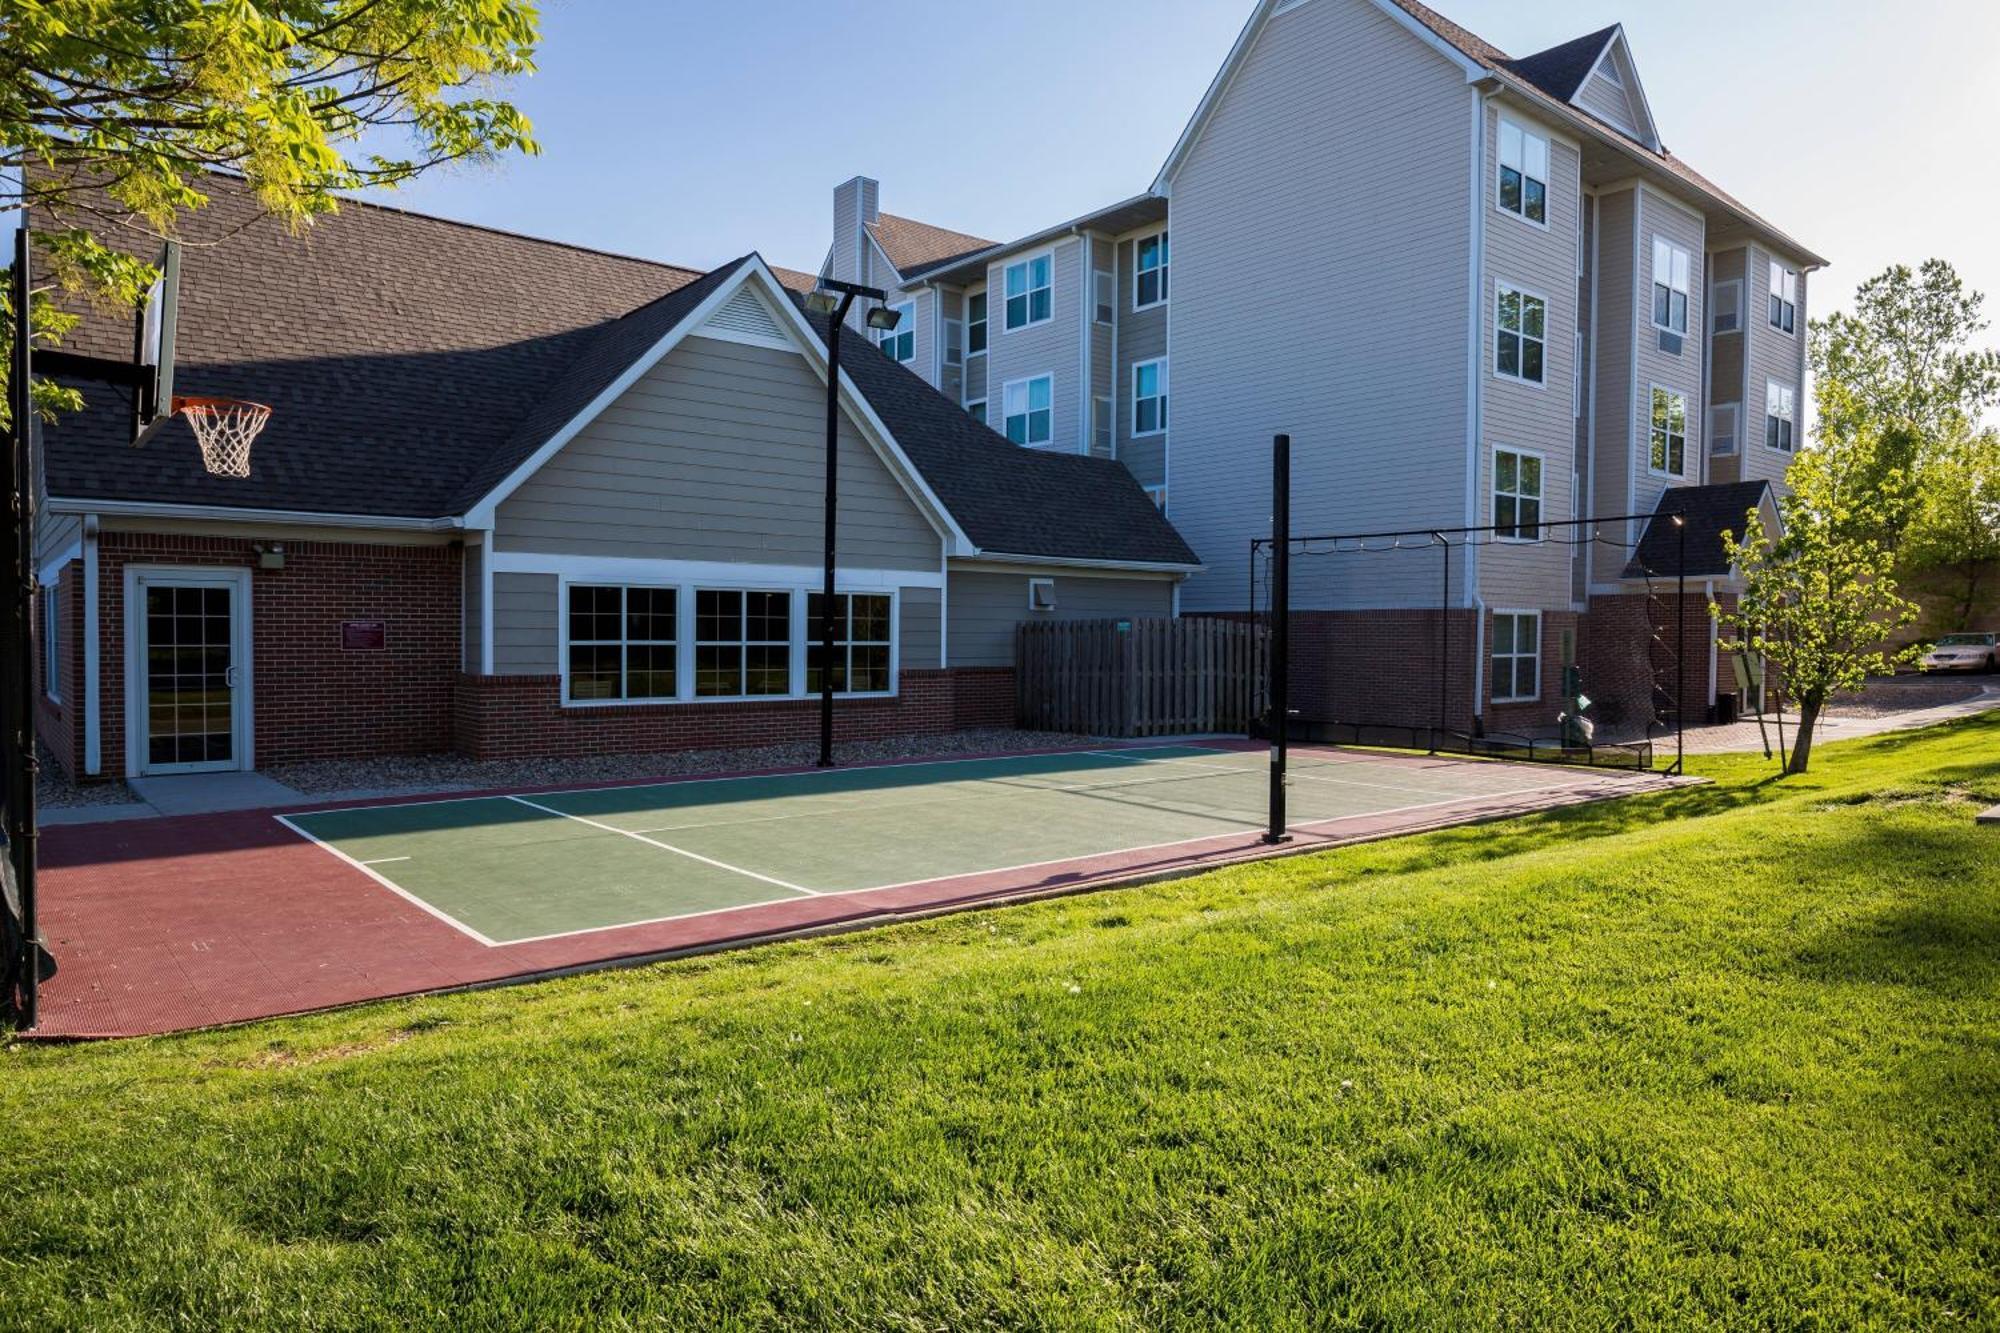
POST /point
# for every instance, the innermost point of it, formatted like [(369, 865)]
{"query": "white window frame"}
[(954, 342), (1785, 291), (1027, 263), (906, 328), (51, 594), (803, 676), (1164, 268), (793, 648), (1522, 167), (980, 416), (1104, 296), (1501, 287), (1734, 286), (984, 324), (1679, 281), (1686, 428), (1025, 384), (1734, 434), (1103, 425), (1535, 656), (624, 641), (1540, 497), (1158, 363), (1781, 404)]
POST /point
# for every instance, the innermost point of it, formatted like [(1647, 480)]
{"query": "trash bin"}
[(1725, 707)]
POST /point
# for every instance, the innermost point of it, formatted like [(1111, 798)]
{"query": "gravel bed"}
[(452, 772), (1886, 699), (54, 790)]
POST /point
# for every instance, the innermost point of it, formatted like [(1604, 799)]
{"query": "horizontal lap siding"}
[(717, 453), (1611, 401), (524, 624), (1538, 420), (54, 533), (1774, 355), (1142, 336), (985, 607), (923, 621), (1725, 365), (1674, 222), (1320, 270), (1049, 348)]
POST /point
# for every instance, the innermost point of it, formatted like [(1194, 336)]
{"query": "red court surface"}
[(176, 924)]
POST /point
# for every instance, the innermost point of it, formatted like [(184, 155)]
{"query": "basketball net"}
[(225, 428)]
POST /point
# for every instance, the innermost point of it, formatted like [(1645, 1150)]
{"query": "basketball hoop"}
[(225, 428)]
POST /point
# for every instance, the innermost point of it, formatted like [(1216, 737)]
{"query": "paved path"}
[(1740, 736)]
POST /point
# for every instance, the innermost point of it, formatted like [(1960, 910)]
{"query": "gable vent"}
[(744, 318)]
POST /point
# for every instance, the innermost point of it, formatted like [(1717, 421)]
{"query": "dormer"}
[(1595, 74)]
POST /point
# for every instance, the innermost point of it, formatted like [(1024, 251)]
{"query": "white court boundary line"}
[(836, 894)]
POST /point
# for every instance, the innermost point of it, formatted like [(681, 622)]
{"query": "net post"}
[(1680, 644), (1281, 615), (1444, 642)]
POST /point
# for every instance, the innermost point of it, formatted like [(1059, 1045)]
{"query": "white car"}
[(1963, 652)]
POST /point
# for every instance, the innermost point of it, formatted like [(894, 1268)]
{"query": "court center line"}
[(667, 847), (391, 885), (384, 860)]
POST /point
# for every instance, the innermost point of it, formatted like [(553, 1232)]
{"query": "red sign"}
[(364, 636)]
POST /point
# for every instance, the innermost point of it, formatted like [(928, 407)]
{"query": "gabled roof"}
[(1561, 70), (1125, 215), (910, 245), (1708, 511)]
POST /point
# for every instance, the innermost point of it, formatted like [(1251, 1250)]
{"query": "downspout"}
[(93, 744), (1714, 664), (1474, 424)]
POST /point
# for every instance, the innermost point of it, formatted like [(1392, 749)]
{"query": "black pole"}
[(1250, 687), (1680, 644), (1444, 643), (1281, 615), (21, 833), (826, 617)]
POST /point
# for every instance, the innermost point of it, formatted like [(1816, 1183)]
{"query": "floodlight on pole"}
[(883, 318), (833, 299)]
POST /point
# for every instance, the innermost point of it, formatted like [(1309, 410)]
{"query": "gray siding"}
[(1142, 336), (985, 607), (1773, 355), (1725, 362), (1612, 406), (1050, 348), (524, 624), (921, 626), (1538, 420), (717, 453), (1679, 225), (1295, 308), (54, 533), (472, 588)]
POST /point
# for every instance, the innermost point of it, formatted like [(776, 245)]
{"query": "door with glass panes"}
[(192, 672)]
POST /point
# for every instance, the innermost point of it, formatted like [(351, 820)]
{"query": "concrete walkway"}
[(182, 794), (1744, 736)]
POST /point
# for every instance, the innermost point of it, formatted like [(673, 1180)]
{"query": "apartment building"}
[(1476, 289)]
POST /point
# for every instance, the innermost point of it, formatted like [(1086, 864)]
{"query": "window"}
[(975, 323), (1722, 420), (743, 643), (1026, 409), (1149, 397), (1100, 425), (954, 342), (621, 642), (860, 642), (1519, 347), (1779, 406), (1671, 276), (1727, 315), (977, 409), (1028, 292), (1524, 173), (900, 342), (1668, 433), (1517, 495), (1149, 272), (1517, 656), (1107, 298), (52, 639), (1784, 297)]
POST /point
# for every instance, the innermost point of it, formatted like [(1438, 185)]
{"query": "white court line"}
[(384, 860), (1297, 771), (391, 885), (667, 847)]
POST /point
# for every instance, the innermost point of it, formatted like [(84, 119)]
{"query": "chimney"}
[(855, 204)]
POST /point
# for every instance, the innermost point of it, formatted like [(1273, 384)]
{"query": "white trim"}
[(93, 734), (1475, 381), (634, 569), (1500, 287), (1649, 133), (1037, 582), (666, 846), (1047, 252), (54, 564), (48, 596), (1540, 497), (1687, 431), (1673, 248), (1162, 397), (1764, 432), (486, 616), (1735, 409), (1048, 443), (1501, 119), (1714, 306), (299, 517), (243, 698), (1165, 270), (1540, 673), (1002, 562), (905, 327)]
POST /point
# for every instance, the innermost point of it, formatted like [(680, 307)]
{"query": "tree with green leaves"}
[(1953, 539), (112, 112), (1819, 596)]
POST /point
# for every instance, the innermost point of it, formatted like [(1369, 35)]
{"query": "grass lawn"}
[(1729, 1056)]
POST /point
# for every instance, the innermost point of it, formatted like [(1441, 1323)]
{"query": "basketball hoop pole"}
[(25, 986)]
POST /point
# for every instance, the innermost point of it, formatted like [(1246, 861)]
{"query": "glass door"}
[(192, 665)]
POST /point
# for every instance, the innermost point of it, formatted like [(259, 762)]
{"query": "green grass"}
[(1725, 1057)]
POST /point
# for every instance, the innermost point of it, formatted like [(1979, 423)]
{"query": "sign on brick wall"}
[(364, 636)]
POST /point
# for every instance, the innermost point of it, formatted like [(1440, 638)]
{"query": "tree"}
[(1954, 532), (112, 111), (1819, 597)]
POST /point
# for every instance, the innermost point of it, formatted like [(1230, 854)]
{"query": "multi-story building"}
[(1476, 290)]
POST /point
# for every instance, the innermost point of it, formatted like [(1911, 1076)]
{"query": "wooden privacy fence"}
[(1142, 677)]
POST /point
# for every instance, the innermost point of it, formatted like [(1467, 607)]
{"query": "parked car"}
[(1964, 652)]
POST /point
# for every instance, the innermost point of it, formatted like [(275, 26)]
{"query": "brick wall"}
[(313, 699), (503, 717), (1629, 651)]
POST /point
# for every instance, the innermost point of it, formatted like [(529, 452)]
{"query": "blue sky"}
[(694, 132)]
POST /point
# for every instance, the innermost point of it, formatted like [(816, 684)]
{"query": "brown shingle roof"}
[(910, 244)]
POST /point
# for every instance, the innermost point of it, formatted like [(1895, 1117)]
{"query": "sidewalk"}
[(1741, 736)]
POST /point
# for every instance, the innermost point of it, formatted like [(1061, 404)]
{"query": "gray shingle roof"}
[(1561, 70), (1709, 511)]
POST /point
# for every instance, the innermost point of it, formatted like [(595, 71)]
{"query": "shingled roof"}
[(1561, 70), (911, 245), (1708, 511), (414, 363)]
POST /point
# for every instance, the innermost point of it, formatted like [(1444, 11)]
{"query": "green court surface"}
[(507, 869)]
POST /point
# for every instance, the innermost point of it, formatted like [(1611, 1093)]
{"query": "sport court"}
[(170, 924)]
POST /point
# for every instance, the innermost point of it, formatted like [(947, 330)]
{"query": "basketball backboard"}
[(159, 324)]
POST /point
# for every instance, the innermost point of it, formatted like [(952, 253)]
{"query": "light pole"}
[(834, 299)]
